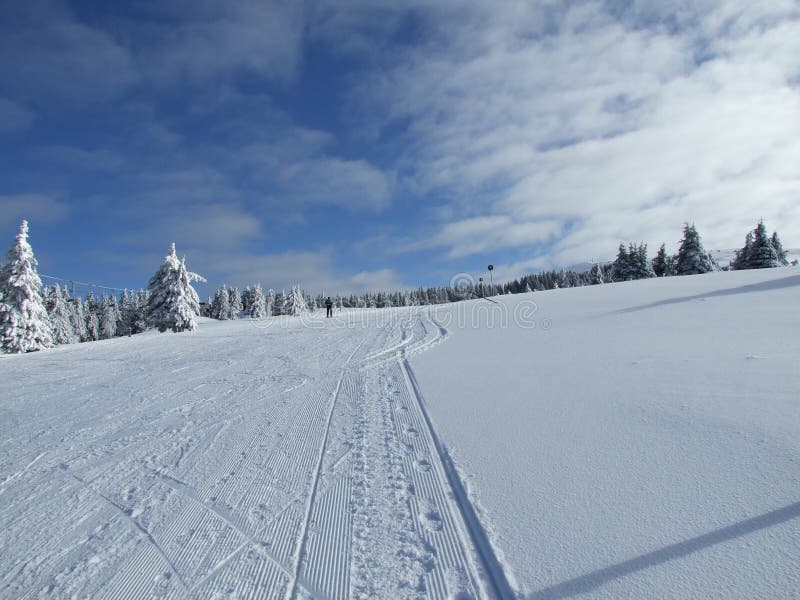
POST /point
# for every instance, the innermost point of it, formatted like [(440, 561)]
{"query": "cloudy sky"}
[(362, 144)]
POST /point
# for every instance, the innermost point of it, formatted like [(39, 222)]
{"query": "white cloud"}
[(214, 226), (36, 208), (48, 57), (304, 175), (350, 184), (314, 271), (488, 233), (215, 40), (620, 125), (378, 280)]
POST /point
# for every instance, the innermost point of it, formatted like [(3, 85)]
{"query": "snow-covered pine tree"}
[(742, 259), (235, 301), (295, 304), (595, 276), (61, 321), (91, 312), (782, 254), (139, 322), (640, 265), (221, 306), (692, 257), (661, 262), (127, 311), (762, 255), (258, 305), (173, 302), (621, 269), (24, 323), (270, 302), (108, 318), (247, 298), (78, 319), (279, 303)]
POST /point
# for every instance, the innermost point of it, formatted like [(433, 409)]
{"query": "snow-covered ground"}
[(635, 440), (642, 441)]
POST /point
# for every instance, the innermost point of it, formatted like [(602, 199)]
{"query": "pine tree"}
[(279, 303), (621, 270), (692, 257), (173, 302), (661, 266), (139, 323), (61, 321), (127, 310), (595, 276), (744, 256), (763, 255), (92, 314), (235, 301), (221, 306), (78, 319), (24, 323), (270, 302), (258, 305), (108, 318), (295, 304), (640, 265), (781, 253), (92, 326), (247, 298)]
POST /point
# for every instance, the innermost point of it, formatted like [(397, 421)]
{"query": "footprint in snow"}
[(431, 518)]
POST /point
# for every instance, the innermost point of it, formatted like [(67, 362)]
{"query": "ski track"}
[(303, 464)]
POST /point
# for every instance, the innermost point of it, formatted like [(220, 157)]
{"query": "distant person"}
[(329, 307)]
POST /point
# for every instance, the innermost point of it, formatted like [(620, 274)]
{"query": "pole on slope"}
[(491, 279)]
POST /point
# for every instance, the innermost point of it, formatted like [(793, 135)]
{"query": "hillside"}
[(645, 443), (628, 440)]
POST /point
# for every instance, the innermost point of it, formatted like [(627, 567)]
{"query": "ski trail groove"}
[(303, 466), (18, 474), (292, 590), (139, 529), (492, 567), (182, 488)]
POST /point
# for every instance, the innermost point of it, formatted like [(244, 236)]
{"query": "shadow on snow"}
[(766, 286), (593, 580)]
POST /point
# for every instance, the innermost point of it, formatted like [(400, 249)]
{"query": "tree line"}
[(33, 317)]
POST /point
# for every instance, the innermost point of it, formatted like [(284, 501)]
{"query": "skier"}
[(329, 307)]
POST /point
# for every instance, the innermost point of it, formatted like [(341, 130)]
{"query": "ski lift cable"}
[(85, 283)]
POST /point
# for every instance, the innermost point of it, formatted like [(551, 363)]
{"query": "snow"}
[(626, 451), (632, 440)]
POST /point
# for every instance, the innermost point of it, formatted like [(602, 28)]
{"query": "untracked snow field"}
[(635, 440)]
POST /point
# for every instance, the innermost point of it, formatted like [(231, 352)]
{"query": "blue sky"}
[(353, 144)]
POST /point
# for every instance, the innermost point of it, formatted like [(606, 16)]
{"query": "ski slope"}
[(285, 461), (636, 440)]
